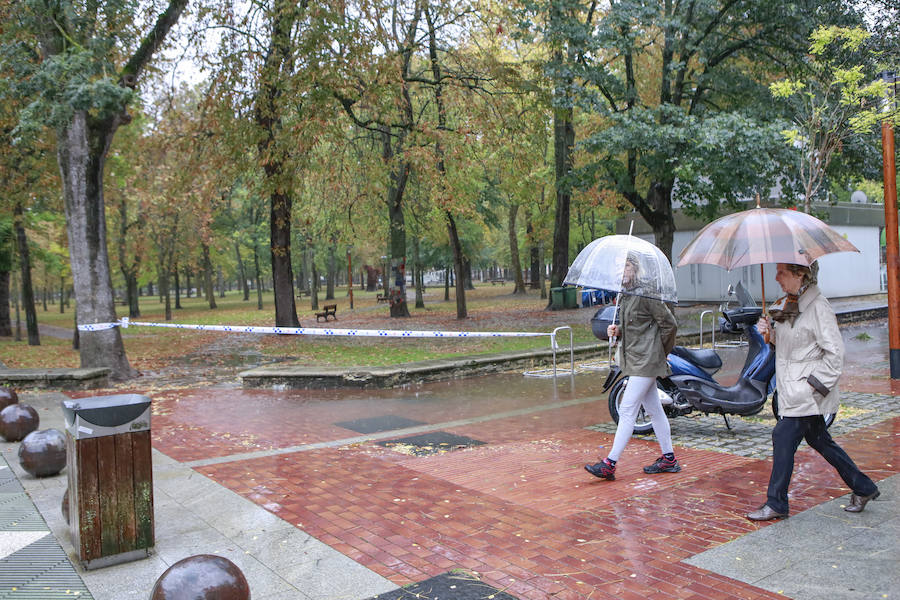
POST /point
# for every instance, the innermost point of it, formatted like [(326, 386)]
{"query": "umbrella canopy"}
[(602, 265), (763, 235)]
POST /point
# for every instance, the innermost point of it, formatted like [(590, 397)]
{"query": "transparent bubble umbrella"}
[(601, 265)]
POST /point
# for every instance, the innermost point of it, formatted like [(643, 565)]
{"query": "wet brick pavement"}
[(519, 513)]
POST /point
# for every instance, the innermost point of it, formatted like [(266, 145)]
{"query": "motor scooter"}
[(691, 385)]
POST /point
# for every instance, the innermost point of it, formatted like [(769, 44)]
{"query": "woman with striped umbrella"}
[(809, 350)]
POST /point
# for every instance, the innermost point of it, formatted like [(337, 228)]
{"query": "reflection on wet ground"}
[(516, 508)]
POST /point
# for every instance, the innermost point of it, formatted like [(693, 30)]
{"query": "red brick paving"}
[(520, 511)]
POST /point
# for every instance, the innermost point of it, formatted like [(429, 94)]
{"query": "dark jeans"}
[(786, 438)]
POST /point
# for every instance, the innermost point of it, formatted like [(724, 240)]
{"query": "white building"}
[(840, 275)]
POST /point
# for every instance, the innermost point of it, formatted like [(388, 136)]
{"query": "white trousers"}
[(641, 391)]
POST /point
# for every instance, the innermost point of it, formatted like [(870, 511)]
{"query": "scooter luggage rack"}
[(712, 327)]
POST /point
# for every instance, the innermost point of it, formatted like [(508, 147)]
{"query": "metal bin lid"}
[(106, 411)]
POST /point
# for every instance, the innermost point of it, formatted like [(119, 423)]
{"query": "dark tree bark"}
[(395, 278), (278, 65), (31, 324), (164, 291), (5, 322), (208, 278), (129, 268), (420, 300), (534, 255), (461, 309), (6, 265), (177, 287), (332, 270), (514, 251), (241, 272), (563, 143), (258, 278)]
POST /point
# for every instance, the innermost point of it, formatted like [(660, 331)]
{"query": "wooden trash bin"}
[(110, 478)]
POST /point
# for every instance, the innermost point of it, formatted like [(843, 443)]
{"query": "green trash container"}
[(556, 298), (570, 297)]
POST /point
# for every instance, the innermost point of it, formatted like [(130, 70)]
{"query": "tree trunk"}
[(177, 287), (163, 278), (31, 324), (420, 300), (446, 284), (241, 273), (514, 251), (661, 219), (332, 271), (314, 294), (129, 268), (278, 65), (5, 322), (81, 154), (220, 281), (462, 311), (207, 278), (542, 270), (257, 277), (563, 142), (62, 296), (132, 292)]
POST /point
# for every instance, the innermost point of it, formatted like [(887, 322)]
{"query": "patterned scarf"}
[(787, 307)]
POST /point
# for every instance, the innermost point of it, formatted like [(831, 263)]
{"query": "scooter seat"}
[(708, 360), (745, 397)]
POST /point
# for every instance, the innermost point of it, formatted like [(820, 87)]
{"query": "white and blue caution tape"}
[(327, 331)]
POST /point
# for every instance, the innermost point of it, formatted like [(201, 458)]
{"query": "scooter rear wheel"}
[(642, 423), (829, 419)]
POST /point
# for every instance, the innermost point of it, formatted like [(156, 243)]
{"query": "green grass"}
[(490, 308)]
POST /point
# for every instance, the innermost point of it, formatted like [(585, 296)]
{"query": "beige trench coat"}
[(648, 334), (811, 345)]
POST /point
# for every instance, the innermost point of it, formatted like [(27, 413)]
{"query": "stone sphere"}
[(202, 577), (7, 396), (17, 421), (43, 453), (64, 507)]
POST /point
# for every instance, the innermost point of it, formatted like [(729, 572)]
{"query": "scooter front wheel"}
[(829, 419), (642, 423)]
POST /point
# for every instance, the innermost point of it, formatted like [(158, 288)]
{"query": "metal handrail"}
[(553, 345)]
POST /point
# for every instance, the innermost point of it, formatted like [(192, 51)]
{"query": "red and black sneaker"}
[(603, 470), (663, 465)]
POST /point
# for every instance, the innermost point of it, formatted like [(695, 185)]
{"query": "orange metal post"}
[(891, 239)]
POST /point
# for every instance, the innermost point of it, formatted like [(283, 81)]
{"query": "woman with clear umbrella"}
[(647, 335)]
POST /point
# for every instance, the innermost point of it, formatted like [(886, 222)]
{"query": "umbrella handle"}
[(762, 283)]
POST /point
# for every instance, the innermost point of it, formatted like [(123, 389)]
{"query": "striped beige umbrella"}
[(763, 235)]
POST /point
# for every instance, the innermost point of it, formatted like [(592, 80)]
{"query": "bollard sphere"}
[(43, 453), (7, 396), (64, 507), (17, 421), (202, 577)]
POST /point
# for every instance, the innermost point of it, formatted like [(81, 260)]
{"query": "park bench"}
[(383, 298), (329, 310), (302, 293), (499, 280)]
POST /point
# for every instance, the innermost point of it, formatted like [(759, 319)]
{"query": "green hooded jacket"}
[(648, 330)]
